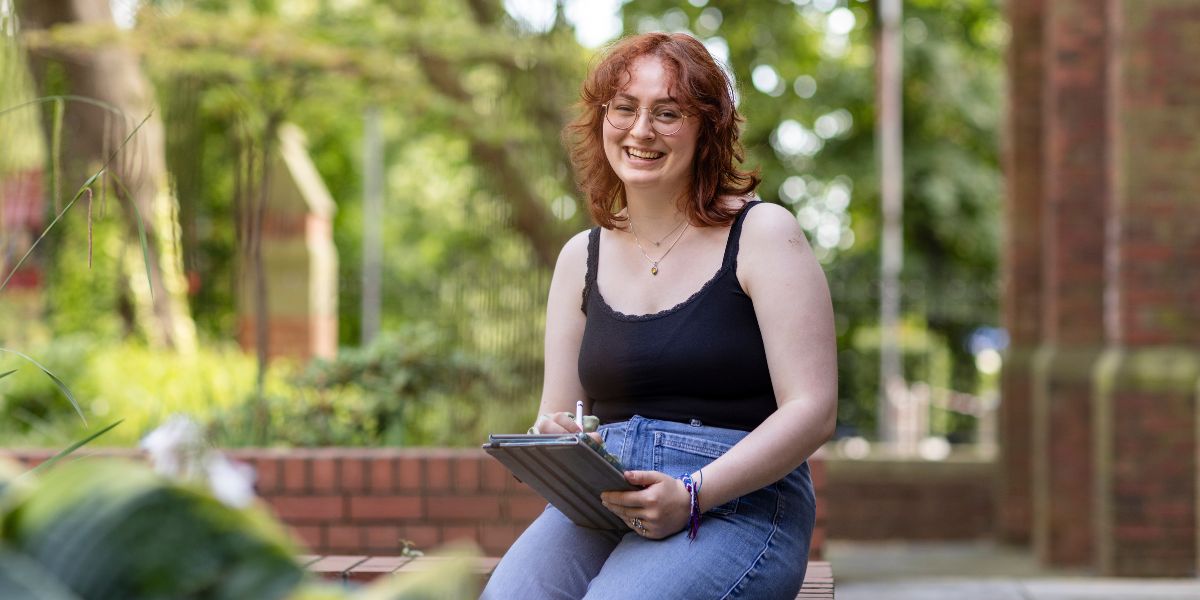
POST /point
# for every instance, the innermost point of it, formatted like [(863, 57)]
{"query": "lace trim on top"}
[(728, 263)]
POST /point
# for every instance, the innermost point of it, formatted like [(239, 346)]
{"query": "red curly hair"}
[(702, 89)]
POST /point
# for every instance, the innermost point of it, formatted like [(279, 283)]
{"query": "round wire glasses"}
[(664, 119)]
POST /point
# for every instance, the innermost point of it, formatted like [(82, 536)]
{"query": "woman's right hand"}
[(559, 422)]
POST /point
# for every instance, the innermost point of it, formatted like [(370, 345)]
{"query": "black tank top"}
[(701, 359)]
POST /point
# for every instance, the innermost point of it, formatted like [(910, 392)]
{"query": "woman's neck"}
[(653, 210)]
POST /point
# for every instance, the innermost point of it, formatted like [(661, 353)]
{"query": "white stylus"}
[(579, 414)]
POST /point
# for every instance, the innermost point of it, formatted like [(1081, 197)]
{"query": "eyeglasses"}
[(664, 119)]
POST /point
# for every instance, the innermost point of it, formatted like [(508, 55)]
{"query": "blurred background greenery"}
[(471, 97)]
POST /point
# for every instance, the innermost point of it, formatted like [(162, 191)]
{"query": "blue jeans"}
[(755, 546)]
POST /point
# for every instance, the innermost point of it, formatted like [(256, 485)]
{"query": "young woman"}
[(704, 342)]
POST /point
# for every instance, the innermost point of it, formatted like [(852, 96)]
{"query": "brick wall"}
[(365, 501), (1100, 397), (884, 499), (1021, 255)]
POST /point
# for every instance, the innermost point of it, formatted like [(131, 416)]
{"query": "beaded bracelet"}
[(693, 490)]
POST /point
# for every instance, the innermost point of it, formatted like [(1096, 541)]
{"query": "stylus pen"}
[(579, 414)]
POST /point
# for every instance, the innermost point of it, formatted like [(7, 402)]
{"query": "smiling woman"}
[(704, 343)]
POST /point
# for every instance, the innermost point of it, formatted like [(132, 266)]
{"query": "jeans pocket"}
[(676, 454)]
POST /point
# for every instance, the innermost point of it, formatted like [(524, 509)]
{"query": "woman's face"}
[(643, 159)]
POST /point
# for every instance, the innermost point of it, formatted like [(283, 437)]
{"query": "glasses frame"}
[(638, 115)]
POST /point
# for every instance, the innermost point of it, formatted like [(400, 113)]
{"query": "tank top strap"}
[(593, 262), (735, 233)]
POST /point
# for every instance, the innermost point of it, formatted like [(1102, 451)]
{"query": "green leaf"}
[(59, 382), (145, 247), (56, 152), (7, 373), (73, 447)]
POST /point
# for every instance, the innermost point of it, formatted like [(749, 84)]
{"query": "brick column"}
[(299, 259), (1147, 424), (1115, 378), (1022, 287), (1077, 189)]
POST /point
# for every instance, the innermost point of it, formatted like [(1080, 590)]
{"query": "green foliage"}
[(174, 541), (925, 358), (101, 529), (126, 380), (400, 390), (412, 389)]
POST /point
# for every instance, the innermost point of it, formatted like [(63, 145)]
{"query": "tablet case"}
[(568, 470)]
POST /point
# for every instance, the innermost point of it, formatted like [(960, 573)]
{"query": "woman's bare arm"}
[(564, 333), (791, 299)]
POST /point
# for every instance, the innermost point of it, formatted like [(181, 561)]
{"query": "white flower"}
[(177, 449), (231, 482)]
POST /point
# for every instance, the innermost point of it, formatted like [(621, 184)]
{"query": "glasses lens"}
[(621, 116), (667, 128), (664, 121)]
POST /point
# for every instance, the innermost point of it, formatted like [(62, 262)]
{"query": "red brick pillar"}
[(299, 259), (1022, 251), (1113, 386), (1077, 191), (1149, 381)]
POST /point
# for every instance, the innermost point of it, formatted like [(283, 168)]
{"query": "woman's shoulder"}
[(771, 231), (770, 221), (574, 253)]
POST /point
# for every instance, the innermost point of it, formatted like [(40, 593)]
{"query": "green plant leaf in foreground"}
[(61, 385), (7, 373), (73, 447), (113, 529), (21, 577)]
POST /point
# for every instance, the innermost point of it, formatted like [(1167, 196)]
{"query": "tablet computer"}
[(568, 470)]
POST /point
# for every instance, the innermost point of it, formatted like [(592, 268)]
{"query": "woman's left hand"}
[(662, 508)]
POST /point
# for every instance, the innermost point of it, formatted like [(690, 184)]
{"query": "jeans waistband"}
[(631, 441)]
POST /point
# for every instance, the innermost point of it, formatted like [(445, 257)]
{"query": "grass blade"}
[(86, 187), (61, 386), (58, 217), (56, 153), (45, 99), (145, 246), (7, 373), (73, 447)]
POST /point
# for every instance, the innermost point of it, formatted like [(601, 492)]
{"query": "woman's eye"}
[(625, 109), (667, 115)]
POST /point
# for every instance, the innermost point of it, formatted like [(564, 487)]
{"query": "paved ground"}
[(977, 571)]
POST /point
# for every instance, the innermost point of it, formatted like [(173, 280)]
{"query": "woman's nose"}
[(642, 127)]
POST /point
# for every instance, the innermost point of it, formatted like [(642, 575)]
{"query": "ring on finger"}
[(638, 525)]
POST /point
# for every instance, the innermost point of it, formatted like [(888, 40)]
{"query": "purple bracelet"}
[(693, 490)]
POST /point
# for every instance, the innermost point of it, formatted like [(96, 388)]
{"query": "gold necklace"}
[(654, 263)]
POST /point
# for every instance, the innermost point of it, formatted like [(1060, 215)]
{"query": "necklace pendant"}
[(654, 269)]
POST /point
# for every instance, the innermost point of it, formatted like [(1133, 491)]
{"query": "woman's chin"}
[(643, 179)]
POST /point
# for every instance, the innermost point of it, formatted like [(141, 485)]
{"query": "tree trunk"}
[(113, 76)]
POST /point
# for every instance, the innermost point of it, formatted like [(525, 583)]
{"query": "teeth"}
[(642, 153)]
